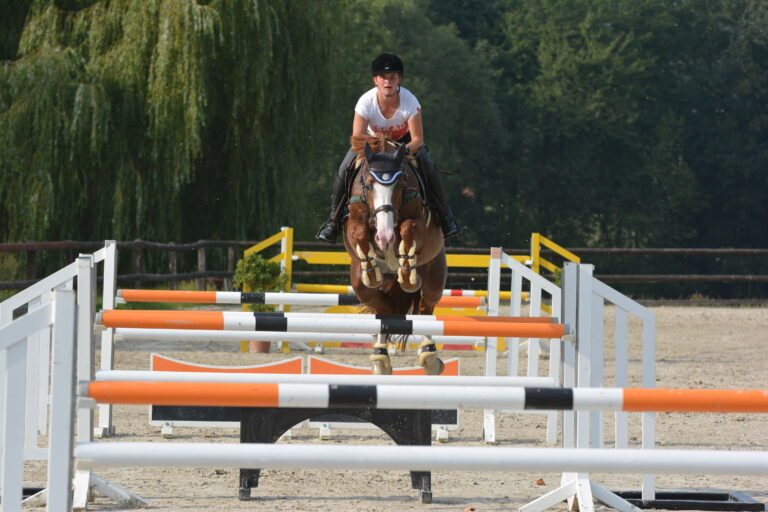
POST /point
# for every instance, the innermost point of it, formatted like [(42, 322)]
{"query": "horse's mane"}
[(379, 144)]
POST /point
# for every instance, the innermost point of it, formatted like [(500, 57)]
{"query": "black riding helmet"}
[(387, 63)]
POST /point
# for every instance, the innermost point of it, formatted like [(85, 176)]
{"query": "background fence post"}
[(31, 264), (138, 264), (172, 265), (201, 284), (230, 267)]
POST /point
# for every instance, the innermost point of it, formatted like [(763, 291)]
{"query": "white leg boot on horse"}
[(371, 273), (432, 364), (407, 276), (380, 357)]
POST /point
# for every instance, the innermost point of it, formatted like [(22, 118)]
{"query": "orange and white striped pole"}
[(384, 396), (410, 324)]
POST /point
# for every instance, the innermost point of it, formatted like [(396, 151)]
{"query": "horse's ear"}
[(400, 154), (368, 151)]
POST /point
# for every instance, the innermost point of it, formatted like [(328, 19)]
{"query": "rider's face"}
[(387, 83)]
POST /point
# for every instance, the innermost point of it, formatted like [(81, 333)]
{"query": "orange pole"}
[(448, 301), (169, 296), (222, 394), (509, 330), (497, 319), (150, 319), (695, 400)]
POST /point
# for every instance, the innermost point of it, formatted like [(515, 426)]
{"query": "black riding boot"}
[(329, 231), (436, 194)]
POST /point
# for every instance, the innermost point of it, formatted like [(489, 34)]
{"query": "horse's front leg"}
[(432, 364), (431, 291), (370, 271), (382, 365), (407, 276)]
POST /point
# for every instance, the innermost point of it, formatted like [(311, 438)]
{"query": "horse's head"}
[(384, 180)]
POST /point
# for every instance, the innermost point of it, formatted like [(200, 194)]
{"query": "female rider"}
[(394, 112)]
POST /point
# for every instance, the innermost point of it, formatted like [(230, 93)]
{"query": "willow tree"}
[(161, 119)]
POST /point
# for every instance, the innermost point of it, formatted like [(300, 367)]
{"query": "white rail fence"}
[(54, 316)]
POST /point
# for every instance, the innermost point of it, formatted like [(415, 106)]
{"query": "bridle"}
[(394, 178)]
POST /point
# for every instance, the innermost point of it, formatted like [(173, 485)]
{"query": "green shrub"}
[(256, 274)]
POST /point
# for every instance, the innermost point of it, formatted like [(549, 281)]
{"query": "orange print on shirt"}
[(393, 132)]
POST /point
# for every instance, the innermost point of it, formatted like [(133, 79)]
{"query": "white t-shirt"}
[(396, 126)]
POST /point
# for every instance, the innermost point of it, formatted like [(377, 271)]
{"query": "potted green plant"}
[(256, 274)]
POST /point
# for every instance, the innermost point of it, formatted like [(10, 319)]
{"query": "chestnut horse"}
[(396, 245)]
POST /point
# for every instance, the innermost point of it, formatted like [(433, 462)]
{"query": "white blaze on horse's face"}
[(385, 220), (385, 170)]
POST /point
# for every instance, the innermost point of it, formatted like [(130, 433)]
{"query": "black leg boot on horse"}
[(329, 231), (436, 193)]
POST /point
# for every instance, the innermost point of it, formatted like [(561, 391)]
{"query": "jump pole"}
[(239, 336), (305, 378), (342, 288), (271, 298), (440, 318), (382, 396), (237, 321), (420, 458)]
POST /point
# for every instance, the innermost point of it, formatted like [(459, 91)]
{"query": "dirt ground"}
[(696, 348)]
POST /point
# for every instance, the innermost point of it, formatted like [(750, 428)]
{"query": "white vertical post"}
[(555, 361), (649, 381), (282, 307), (584, 349), (60, 454), (494, 287), (568, 316), (515, 305), (13, 426), (6, 315), (86, 284), (622, 375), (43, 372), (32, 390), (534, 349), (596, 368), (105, 427)]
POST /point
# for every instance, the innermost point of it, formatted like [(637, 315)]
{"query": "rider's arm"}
[(359, 125), (417, 133)]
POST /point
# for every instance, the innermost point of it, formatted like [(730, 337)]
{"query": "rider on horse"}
[(392, 111)]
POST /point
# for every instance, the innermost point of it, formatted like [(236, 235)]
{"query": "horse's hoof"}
[(407, 284), (374, 284), (379, 368), (381, 364), (432, 364)]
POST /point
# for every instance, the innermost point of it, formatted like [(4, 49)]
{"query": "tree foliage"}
[(160, 119), (600, 122)]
